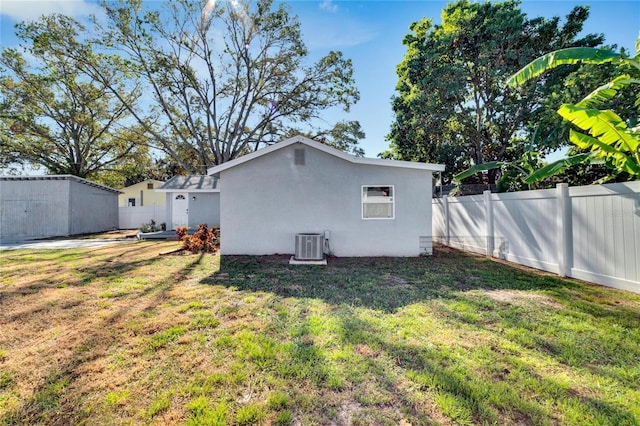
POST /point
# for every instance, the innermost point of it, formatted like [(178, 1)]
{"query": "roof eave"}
[(62, 177), (215, 171)]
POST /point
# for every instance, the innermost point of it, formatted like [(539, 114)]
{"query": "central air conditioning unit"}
[(309, 247)]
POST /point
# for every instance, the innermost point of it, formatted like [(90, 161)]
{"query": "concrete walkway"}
[(161, 235), (59, 244)]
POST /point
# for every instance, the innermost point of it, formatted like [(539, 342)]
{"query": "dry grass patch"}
[(522, 298), (120, 334)]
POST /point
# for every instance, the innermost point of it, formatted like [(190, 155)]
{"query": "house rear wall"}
[(267, 201)]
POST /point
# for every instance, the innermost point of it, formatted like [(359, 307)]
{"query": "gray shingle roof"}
[(196, 183)]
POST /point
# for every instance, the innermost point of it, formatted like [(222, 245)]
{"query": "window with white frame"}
[(378, 202)]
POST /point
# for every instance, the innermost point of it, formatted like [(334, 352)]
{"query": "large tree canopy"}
[(452, 104), (214, 82), (55, 116)]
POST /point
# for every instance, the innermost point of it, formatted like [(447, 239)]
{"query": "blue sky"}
[(370, 33)]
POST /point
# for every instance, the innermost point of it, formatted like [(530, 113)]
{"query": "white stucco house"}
[(362, 206), (191, 200)]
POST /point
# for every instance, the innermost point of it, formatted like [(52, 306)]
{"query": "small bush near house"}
[(149, 227), (205, 240)]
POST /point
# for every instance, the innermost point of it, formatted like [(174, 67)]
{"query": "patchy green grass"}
[(122, 335)]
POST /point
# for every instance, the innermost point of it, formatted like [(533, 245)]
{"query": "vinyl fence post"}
[(488, 209), (445, 201), (563, 226)]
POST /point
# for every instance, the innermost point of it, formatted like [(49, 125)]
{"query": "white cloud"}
[(329, 6), (337, 33), (33, 9)]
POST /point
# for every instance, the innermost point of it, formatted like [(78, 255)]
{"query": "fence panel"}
[(525, 228), (589, 232), (438, 218), (135, 217), (467, 223), (606, 234)]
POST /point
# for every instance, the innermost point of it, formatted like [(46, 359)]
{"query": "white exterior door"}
[(180, 210)]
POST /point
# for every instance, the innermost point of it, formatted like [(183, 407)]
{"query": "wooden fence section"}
[(588, 232)]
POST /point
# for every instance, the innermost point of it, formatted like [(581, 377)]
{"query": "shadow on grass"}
[(582, 329), (378, 283), (504, 362), (51, 402)]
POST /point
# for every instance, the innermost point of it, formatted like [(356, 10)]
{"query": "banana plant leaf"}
[(602, 150), (556, 167), (607, 91), (605, 125), (479, 168), (551, 60)]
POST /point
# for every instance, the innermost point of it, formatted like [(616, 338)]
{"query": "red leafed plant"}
[(204, 240)]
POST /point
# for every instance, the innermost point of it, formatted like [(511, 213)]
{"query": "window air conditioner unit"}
[(309, 246)]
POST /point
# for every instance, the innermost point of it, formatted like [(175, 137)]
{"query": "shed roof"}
[(61, 177), (214, 171), (195, 183)]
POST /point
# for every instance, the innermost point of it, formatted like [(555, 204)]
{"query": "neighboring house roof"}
[(214, 171), (61, 177), (197, 183)]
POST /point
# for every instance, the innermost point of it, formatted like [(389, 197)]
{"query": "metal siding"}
[(33, 209), (92, 209)]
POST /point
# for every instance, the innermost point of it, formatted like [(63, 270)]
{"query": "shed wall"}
[(92, 209), (265, 202), (34, 209)]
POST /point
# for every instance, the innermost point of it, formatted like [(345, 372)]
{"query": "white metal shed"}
[(55, 205)]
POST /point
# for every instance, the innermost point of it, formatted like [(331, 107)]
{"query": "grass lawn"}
[(121, 335)]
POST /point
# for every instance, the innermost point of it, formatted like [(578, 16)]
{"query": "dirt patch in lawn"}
[(522, 298)]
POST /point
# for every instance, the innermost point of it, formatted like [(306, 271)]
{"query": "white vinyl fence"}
[(587, 232), (135, 217)]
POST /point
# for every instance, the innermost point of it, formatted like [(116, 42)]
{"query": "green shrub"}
[(150, 227)]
